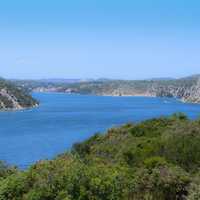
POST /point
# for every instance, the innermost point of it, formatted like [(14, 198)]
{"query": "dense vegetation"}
[(158, 159), (12, 97)]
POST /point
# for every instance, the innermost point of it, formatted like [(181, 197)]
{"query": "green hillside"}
[(158, 159)]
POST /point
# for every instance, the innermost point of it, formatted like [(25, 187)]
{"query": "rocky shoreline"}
[(186, 89), (18, 109), (185, 94), (13, 98)]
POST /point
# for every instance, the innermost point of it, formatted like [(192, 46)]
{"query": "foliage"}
[(157, 159)]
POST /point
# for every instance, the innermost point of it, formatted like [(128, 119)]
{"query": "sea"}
[(61, 120)]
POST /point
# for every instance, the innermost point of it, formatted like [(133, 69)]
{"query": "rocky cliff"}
[(186, 89), (11, 97)]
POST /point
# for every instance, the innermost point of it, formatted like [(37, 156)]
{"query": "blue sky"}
[(125, 39)]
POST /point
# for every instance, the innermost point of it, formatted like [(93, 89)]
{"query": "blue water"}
[(61, 120)]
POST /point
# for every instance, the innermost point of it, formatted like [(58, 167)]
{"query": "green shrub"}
[(157, 159)]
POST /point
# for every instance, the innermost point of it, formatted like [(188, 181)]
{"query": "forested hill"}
[(12, 97), (157, 159), (187, 89)]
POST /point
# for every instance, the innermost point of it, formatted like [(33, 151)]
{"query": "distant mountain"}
[(52, 80), (12, 97), (162, 79), (58, 80), (195, 76)]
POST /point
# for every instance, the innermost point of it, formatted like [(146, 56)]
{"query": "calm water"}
[(61, 120)]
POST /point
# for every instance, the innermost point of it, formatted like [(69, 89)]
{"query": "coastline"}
[(183, 100), (19, 108)]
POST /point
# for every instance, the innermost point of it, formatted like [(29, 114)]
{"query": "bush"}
[(157, 159)]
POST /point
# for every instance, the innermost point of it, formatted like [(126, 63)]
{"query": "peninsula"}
[(13, 97)]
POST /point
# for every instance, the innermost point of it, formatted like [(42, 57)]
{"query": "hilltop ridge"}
[(186, 89)]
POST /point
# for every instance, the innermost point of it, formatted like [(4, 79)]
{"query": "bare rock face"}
[(186, 92), (13, 98), (192, 94)]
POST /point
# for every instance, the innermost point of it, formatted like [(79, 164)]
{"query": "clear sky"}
[(128, 39)]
